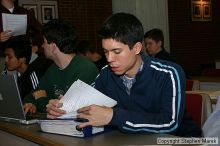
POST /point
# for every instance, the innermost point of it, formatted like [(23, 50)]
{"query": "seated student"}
[(17, 56), (150, 93), (93, 54), (154, 44), (59, 39)]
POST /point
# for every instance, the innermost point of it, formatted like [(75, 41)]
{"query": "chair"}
[(198, 105), (192, 85)]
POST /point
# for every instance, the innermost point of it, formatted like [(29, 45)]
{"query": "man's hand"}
[(29, 108), (53, 110), (97, 115), (5, 35)]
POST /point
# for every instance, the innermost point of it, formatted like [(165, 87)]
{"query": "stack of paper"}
[(68, 127), (80, 95)]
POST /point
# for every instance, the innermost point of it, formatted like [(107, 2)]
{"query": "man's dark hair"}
[(124, 28), (155, 34), (61, 33), (21, 46)]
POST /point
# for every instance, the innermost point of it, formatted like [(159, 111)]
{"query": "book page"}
[(15, 22), (81, 94)]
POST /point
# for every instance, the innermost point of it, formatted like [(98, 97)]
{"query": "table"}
[(207, 82), (11, 133)]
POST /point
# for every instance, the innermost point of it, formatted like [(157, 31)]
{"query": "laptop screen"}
[(10, 102)]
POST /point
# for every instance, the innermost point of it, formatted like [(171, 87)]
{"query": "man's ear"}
[(159, 43), (53, 46), (137, 47)]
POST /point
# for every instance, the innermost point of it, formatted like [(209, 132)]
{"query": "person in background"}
[(85, 49), (59, 39), (17, 52), (150, 93), (154, 44), (33, 26)]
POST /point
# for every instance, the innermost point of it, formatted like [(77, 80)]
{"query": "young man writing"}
[(150, 93)]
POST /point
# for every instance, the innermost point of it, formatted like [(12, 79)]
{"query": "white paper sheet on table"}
[(17, 23), (80, 95)]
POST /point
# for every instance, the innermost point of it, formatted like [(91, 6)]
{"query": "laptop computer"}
[(11, 107)]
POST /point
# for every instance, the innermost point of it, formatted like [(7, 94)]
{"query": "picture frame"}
[(40, 8), (206, 11), (32, 8), (197, 8), (48, 13), (201, 10)]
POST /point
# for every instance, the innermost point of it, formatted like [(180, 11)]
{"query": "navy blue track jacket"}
[(156, 102)]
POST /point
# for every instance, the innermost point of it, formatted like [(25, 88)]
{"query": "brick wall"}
[(194, 45), (86, 16)]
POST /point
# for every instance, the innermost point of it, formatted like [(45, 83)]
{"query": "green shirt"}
[(56, 81)]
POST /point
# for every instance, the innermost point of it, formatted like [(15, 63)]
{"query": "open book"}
[(80, 95)]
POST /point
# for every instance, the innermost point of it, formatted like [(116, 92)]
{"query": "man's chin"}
[(119, 73)]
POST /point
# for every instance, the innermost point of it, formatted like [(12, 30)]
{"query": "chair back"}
[(198, 105), (192, 85)]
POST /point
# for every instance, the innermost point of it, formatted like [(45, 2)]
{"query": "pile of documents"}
[(79, 95)]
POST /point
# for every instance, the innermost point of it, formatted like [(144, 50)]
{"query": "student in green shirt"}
[(59, 38)]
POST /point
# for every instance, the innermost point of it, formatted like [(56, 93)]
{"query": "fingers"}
[(55, 112), (7, 32), (84, 109), (29, 107), (61, 96), (53, 109), (5, 35), (26, 109), (51, 116), (84, 124), (83, 116)]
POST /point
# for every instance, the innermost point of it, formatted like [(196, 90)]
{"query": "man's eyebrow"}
[(112, 49)]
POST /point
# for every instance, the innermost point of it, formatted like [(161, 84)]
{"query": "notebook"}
[(11, 107)]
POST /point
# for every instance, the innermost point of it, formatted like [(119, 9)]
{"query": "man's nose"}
[(110, 57)]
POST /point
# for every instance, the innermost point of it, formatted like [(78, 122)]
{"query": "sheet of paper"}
[(81, 94), (15, 22), (69, 115)]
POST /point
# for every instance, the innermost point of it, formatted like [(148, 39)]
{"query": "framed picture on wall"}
[(48, 13), (201, 10), (32, 8), (207, 11), (197, 11), (44, 10)]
